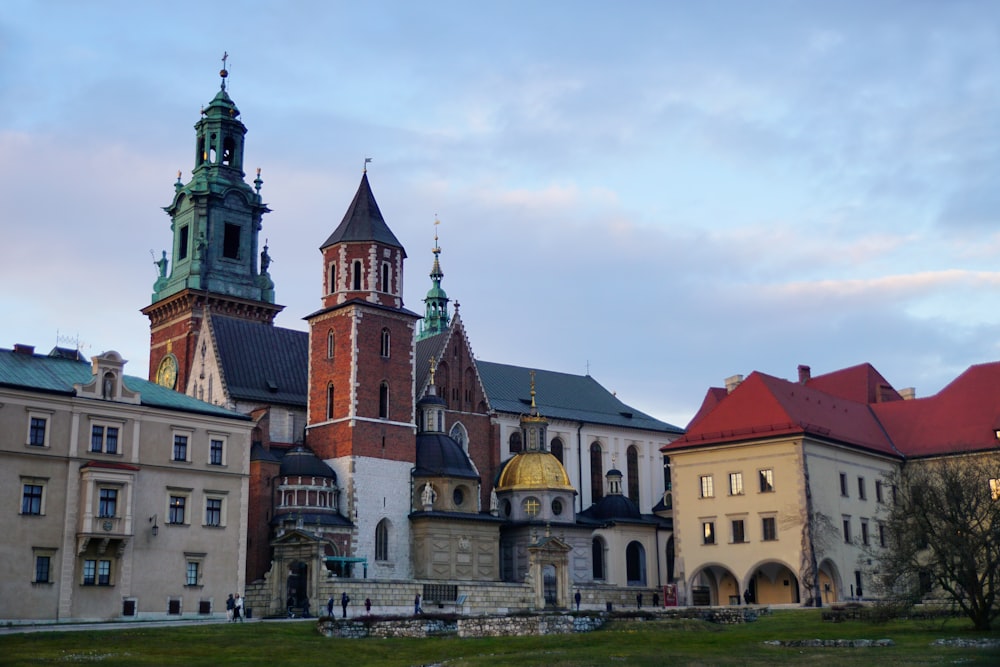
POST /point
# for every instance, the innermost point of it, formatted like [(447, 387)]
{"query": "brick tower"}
[(216, 221), (361, 378)]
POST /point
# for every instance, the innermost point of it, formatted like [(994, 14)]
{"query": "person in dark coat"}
[(577, 598), (416, 604), (329, 607), (343, 602)]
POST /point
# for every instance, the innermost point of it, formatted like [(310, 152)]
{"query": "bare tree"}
[(943, 533)]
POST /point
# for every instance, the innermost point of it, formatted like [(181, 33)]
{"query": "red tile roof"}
[(855, 406)]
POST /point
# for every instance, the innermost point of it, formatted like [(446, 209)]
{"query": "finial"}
[(433, 369), (224, 72), (533, 407), (365, 169), (257, 181)]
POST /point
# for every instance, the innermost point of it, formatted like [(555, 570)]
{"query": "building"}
[(375, 411), (132, 498), (778, 486)]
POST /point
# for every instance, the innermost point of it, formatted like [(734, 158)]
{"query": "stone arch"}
[(635, 564), (772, 582), (831, 583), (713, 584)]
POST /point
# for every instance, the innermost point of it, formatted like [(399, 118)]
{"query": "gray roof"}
[(262, 363), (57, 375), (562, 396), (363, 221)]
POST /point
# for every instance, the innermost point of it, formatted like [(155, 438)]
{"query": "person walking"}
[(344, 599), (329, 607), (238, 609), (368, 606), (577, 598), (638, 601), (230, 605), (416, 605)]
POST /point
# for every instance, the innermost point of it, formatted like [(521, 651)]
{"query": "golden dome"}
[(534, 470)]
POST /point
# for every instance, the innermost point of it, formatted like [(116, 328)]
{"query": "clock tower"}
[(213, 266)]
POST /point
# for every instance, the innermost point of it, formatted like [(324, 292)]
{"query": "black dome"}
[(439, 455), (300, 461), (613, 507)]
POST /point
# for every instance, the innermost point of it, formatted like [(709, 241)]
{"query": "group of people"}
[(234, 608), (345, 600)]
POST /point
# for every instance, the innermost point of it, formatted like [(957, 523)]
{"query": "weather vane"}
[(367, 160)]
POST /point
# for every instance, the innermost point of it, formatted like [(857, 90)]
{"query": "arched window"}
[(385, 343), (515, 442), (556, 447), (632, 470), (383, 400), (356, 279), (330, 340), (385, 277), (635, 564), (228, 151), (596, 473), (597, 556), (329, 401), (331, 278), (460, 435), (382, 540)]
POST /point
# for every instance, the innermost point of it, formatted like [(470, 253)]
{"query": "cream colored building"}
[(125, 499)]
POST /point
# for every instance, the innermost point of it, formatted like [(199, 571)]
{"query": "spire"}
[(363, 221), (436, 313), (533, 425)]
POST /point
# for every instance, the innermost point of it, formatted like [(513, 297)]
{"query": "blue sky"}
[(666, 193)]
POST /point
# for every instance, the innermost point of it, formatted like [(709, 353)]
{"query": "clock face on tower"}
[(166, 374)]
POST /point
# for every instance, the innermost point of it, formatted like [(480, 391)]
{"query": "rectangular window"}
[(708, 532), (177, 505), (736, 484), (231, 241), (89, 572), (864, 532), (180, 447), (31, 499), (995, 489), (104, 439), (739, 534), (769, 528), (843, 484), (847, 530), (182, 243), (213, 512), (43, 568), (108, 503), (103, 573), (192, 573), (215, 452), (707, 487), (878, 490), (36, 431), (882, 541), (766, 480), (862, 494)]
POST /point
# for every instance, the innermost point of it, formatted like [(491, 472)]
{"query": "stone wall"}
[(470, 626), (396, 597)]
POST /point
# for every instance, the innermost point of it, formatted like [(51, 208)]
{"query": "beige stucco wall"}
[(149, 570)]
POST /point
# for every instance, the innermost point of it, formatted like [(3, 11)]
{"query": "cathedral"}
[(383, 450)]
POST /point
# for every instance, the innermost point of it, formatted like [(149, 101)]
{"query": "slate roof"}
[(562, 396), (439, 455), (262, 363), (855, 406), (57, 375), (363, 221)]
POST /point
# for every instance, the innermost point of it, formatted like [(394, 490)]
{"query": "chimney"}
[(908, 394), (732, 382), (805, 373), (21, 348)]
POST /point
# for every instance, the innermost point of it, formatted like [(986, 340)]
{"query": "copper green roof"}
[(57, 375)]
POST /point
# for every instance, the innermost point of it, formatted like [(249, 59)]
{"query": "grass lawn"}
[(622, 642)]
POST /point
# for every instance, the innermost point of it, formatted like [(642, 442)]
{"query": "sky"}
[(662, 194)]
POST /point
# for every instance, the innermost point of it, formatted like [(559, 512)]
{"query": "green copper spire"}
[(436, 315), (216, 216)]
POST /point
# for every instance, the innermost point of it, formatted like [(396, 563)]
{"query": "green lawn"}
[(622, 642)]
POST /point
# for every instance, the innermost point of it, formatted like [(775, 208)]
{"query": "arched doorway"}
[(635, 564), (597, 549), (773, 583), (714, 585), (550, 586)]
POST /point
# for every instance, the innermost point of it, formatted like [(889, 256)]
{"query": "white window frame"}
[(43, 552), (736, 484), (44, 415), (198, 560), (175, 492), (186, 433), (222, 437), (221, 497), (105, 424), (34, 481), (763, 532), (708, 526), (706, 486), (766, 476)]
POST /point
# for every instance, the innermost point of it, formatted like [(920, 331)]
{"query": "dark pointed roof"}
[(301, 461), (363, 221), (262, 363)]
